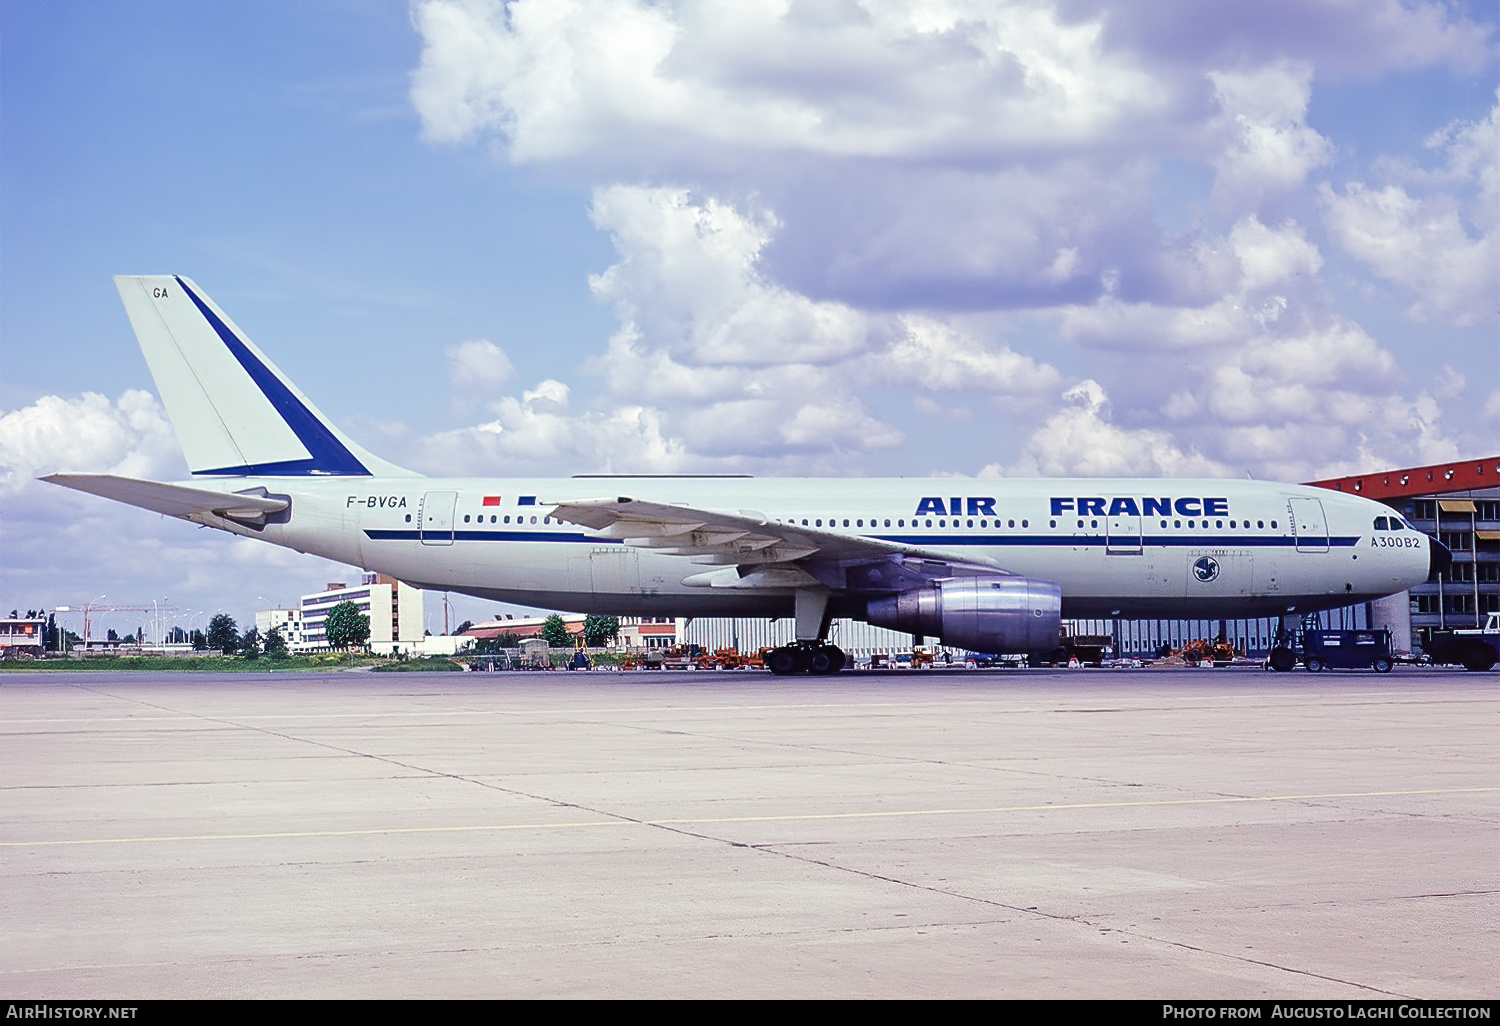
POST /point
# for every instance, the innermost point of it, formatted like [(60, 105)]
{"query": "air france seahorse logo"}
[(1206, 568)]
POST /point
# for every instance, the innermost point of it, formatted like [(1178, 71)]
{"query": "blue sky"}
[(827, 238)]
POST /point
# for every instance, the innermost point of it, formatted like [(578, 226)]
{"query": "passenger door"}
[(1309, 526)]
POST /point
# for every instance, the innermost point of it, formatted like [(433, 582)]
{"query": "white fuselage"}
[(1117, 547)]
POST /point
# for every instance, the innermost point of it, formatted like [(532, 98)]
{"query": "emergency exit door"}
[(435, 517), (1124, 536)]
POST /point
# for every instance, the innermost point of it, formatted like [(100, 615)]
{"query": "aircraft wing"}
[(174, 500), (756, 551)]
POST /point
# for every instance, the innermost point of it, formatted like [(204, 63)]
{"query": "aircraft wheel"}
[(1282, 659), (782, 662), (1315, 666), (839, 659), (1382, 666), (820, 662)]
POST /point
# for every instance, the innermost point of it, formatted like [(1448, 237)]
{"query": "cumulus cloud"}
[(814, 201), (1081, 440), (1424, 243), (538, 433), (64, 547), (1271, 147), (130, 436), (1259, 271), (939, 356), (562, 78), (688, 279), (477, 367)]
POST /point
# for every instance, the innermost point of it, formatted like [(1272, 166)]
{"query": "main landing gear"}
[(814, 657)]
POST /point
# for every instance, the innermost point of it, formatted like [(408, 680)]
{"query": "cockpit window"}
[(1382, 524)]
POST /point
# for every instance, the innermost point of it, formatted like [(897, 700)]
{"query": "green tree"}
[(555, 632), (250, 644), (598, 630), (276, 647), (346, 626), (223, 634), (200, 643)]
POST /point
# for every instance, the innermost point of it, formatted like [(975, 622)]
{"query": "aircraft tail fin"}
[(234, 412)]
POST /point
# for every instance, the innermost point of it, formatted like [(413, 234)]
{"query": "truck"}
[(1475, 648), (1347, 650)]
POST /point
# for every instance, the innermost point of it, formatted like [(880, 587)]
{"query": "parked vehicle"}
[(1475, 649), (1347, 650)]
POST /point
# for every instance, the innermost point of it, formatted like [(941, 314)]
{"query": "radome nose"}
[(1439, 557)]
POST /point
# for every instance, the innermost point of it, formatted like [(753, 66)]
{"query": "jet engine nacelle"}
[(986, 614)]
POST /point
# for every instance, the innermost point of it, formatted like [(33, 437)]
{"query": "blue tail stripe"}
[(329, 456)]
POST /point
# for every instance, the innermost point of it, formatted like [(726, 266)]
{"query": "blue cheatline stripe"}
[(1046, 540), (328, 454), (507, 536)]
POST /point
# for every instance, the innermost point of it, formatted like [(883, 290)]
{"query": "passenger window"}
[(887, 523), (1177, 523), (1260, 524), (1093, 523), (1024, 523), (1052, 522), (846, 523), (929, 523), (1010, 523), (971, 523), (408, 518)]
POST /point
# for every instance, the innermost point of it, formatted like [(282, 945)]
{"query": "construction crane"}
[(89, 609)]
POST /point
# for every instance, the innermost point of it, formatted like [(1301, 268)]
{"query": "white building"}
[(394, 609), (289, 620), (650, 631)]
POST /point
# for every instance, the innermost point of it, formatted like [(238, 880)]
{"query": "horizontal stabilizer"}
[(172, 500)]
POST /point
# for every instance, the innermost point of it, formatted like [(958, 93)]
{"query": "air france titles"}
[(1084, 506), (1149, 506)]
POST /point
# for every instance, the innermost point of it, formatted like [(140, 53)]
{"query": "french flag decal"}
[(491, 500)]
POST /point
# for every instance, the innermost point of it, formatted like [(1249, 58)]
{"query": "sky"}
[(986, 239)]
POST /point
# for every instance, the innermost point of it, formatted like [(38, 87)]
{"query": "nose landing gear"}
[(814, 657)]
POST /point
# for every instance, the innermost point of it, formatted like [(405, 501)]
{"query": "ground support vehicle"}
[(1475, 649), (1347, 650)]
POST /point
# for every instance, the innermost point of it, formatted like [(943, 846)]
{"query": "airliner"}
[(989, 565)]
